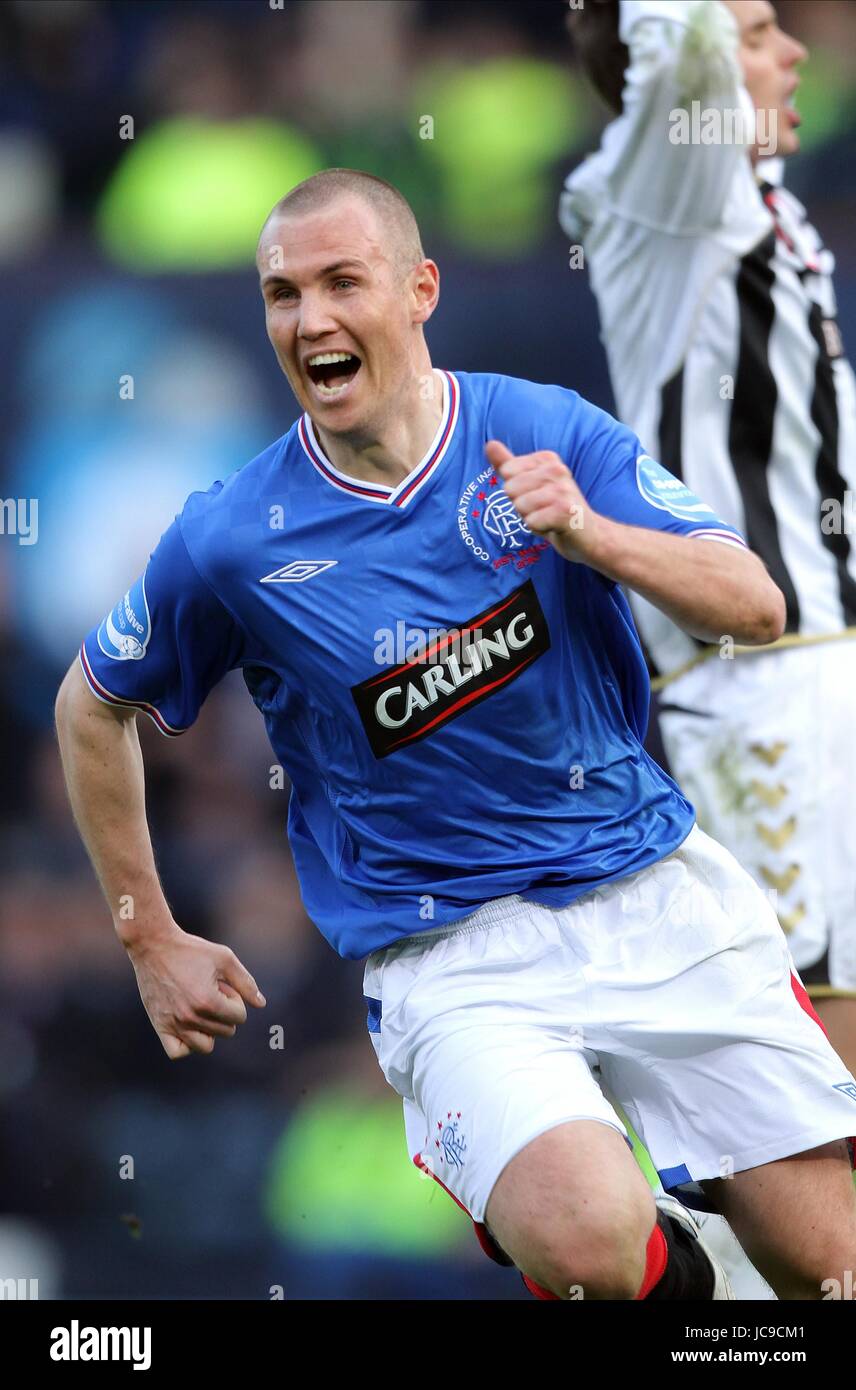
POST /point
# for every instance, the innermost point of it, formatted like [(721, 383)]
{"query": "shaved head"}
[(394, 213), (347, 291)]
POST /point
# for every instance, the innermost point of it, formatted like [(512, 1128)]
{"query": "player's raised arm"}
[(160, 650), (658, 167), (708, 590)]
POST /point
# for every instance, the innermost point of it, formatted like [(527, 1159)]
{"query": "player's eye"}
[(348, 283), (758, 36), (285, 293)]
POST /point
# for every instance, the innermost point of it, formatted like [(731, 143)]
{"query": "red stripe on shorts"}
[(805, 1003), (483, 1236), (803, 1000)]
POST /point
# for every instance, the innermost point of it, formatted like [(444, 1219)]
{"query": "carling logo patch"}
[(464, 666)]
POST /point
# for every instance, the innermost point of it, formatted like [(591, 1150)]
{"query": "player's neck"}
[(401, 443)]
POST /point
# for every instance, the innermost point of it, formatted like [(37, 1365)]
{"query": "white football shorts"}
[(764, 748), (671, 990)]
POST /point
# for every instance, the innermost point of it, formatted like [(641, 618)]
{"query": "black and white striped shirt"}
[(718, 317)]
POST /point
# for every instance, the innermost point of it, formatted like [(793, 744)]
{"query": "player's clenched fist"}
[(547, 498), (193, 990)]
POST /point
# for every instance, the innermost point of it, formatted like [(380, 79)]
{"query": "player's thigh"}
[(707, 1056), (573, 1208), (795, 1218), (479, 1032), (485, 1092), (508, 1117)]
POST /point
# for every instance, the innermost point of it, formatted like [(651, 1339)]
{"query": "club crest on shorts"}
[(489, 521), (450, 1141), (124, 634)]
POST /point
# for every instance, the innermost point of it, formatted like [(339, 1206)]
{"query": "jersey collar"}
[(771, 171), (416, 479)]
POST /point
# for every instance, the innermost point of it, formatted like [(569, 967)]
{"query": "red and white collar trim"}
[(407, 489)]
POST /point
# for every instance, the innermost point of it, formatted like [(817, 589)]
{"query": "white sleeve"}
[(672, 155)]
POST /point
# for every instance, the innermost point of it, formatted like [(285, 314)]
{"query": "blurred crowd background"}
[(142, 143)]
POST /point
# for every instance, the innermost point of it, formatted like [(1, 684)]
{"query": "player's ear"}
[(425, 290)]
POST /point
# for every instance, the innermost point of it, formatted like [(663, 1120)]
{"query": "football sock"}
[(676, 1267)]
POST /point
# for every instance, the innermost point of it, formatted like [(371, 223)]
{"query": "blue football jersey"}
[(459, 709)]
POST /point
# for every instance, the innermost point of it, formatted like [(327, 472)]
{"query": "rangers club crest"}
[(488, 521), (450, 1141)]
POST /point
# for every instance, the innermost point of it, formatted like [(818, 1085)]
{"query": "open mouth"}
[(331, 373)]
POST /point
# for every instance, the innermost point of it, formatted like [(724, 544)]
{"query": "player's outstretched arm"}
[(710, 590), (193, 990)]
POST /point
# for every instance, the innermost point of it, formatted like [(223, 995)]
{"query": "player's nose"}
[(794, 51), (314, 320)]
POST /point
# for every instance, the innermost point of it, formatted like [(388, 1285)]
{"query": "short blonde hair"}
[(393, 209)]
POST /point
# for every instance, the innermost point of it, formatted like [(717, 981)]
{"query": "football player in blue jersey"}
[(472, 809)]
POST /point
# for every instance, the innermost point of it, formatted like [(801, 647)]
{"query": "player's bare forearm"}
[(709, 589), (103, 765), (193, 990)]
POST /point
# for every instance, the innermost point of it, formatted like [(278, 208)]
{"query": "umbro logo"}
[(297, 570), (848, 1088)]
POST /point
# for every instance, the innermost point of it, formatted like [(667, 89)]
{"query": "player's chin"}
[(346, 419), (788, 141)]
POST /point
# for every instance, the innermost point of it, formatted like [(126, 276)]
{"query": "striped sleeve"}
[(165, 644)]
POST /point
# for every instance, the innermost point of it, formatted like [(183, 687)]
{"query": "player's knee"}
[(602, 1257)]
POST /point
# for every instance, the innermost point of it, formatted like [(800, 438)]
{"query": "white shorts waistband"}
[(490, 914)]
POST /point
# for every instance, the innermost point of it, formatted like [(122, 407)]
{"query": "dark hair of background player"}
[(600, 52)]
